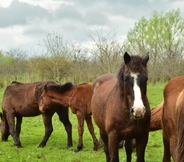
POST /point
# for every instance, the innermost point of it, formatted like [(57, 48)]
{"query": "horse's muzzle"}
[(138, 113)]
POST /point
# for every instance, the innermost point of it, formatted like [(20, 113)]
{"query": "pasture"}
[(56, 149)]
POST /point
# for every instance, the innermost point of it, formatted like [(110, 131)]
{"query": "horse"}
[(156, 117), (21, 100), (173, 119), (78, 98), (121, 108)]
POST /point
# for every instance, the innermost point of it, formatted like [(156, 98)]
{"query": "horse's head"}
[(49, 93), (133, 80), (45, 101)]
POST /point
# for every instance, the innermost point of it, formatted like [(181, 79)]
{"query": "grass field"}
[(56, 150)]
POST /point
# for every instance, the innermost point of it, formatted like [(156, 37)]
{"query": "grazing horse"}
[(78, 98), (21, 100), (173, 120), (156, 118), (121, 109)]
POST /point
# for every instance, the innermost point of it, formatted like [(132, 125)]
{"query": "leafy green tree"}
[(163, 36)]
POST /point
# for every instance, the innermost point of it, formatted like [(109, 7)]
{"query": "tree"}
[(163, 36), (58, 57), (107, 52)]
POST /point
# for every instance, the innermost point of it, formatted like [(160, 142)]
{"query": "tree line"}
[(162, 35)]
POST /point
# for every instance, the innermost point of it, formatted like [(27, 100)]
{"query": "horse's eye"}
[(146, 79), (126, 78)]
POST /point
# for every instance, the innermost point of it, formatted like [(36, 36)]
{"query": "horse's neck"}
[(63, 99)]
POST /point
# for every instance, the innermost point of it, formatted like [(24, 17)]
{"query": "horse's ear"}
[(145, 59), (127, 58), (45, 88)]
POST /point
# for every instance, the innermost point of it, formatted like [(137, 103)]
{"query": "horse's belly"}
[(28, 111)]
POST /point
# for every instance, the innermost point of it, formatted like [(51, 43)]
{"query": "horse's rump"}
[(180, 126), (172, 108)]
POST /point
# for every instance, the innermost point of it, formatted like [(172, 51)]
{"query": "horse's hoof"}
[(70, 145), (18, 145), (78, 149), (41, 146), (96, 146)]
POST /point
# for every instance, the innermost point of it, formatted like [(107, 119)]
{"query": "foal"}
[(78, 98)]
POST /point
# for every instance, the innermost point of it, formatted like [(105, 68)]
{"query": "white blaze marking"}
[(137, 93)]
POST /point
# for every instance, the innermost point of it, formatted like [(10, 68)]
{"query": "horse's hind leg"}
[(91, 130), (64, 118), (11, 123), (47, 119)]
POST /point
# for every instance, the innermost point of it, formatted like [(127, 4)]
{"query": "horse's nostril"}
[(132, 110)]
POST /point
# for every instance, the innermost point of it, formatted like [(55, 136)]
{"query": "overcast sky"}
[(25, 23)]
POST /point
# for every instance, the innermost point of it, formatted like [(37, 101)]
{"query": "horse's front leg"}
[(91, 130), (64, 118), (141, 143), (104, 138), (80, 118), (113, 145), (167, 154), (18, 125), (47, 119), (11, 123), (129, 150)]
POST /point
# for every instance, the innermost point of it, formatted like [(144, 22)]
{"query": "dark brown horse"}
[(78, 98), (21, 100), (156, 118), (173, 120), (121, 109)]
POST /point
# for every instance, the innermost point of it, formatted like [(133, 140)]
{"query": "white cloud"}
[(24, 23)]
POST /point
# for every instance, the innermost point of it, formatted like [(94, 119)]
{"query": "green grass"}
[(56, 150)]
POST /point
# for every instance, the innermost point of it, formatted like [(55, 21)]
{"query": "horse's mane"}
[(15, 82), (60, 88)]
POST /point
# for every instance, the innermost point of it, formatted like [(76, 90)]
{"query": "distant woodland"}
[(162, 36)]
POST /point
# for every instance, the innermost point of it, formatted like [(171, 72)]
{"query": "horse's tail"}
[(156, 114), (179, 114)]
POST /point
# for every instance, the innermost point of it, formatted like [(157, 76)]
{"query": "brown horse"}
[(21, 100), (121, 109), (173, 120), (156, 118), (78, 98)]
